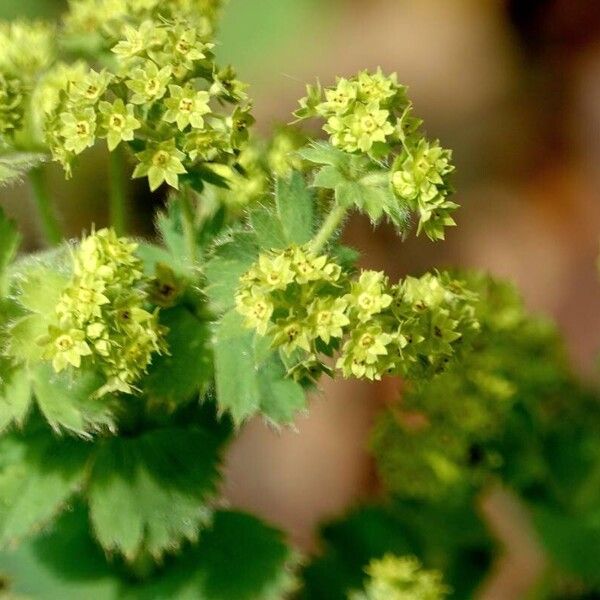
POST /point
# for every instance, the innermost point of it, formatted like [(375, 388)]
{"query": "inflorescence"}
[(102, 314), (400, 578), (371, 114), (311, 308)]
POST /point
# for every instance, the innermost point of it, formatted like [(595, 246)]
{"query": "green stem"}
[(329, 227), (189, 224), (118, 191), (43, 203)]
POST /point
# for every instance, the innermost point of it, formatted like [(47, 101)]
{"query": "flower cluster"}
[(163, 95), (400, 578), (26, 50), (420, 177), (102, 315), (108, 18), (307, 304), (446, 432), (370, 114)]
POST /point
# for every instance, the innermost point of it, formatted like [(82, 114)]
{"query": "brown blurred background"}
[(513, 86)]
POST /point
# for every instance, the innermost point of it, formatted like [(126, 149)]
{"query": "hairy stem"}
[(118, 191), (45, 210), (189, 224), (330, 225)]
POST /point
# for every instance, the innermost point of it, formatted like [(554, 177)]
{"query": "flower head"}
[(161, 163), (102, 314), (186, 106), (148, 83), (118, 122), (400, 578)]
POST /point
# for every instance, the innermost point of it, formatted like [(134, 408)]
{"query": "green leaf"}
[(64, 563), (15, 165), (268, 229), (294, 202), (37, 481), (230, 261), (329, 178), (170, 229), (323, 153), (148, 494), (349, 193), (9, 243), (239, 558), (15, 399), (67, 400), (250, 377), (40, 288), (187, 369), (573, 541)]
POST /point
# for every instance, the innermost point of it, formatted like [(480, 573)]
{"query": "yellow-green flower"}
[(118, 122), (362, 353), (186, 106), (78, 129), (273, 272), (368, 295), (102, 313), (292, 334), (147, 36), (91, 87), (66, 348), (366, 126), (148, 83), (377, 88), (400, 578), (257, 309), (328, 317), (161, 163), (339, 99)]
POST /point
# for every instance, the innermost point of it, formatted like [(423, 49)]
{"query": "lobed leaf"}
[(250, 377), (39, 475), (150, 493)]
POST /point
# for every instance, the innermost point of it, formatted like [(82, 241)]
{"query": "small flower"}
[(161, 163), (118, 122), (362, 353), (291, 334), (256, 307), (186, 48), (308, 267), (377, 88), (66, 348), (368, 295), (340, 99), (328, 317), (91, 87), (273, 272), (186, 106), (366, 126), (148, 83), (140, 40), (78, 129)]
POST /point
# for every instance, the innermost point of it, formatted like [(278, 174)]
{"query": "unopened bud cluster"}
[(371, 114), (311, 309), (102, 315), (400, 578)]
